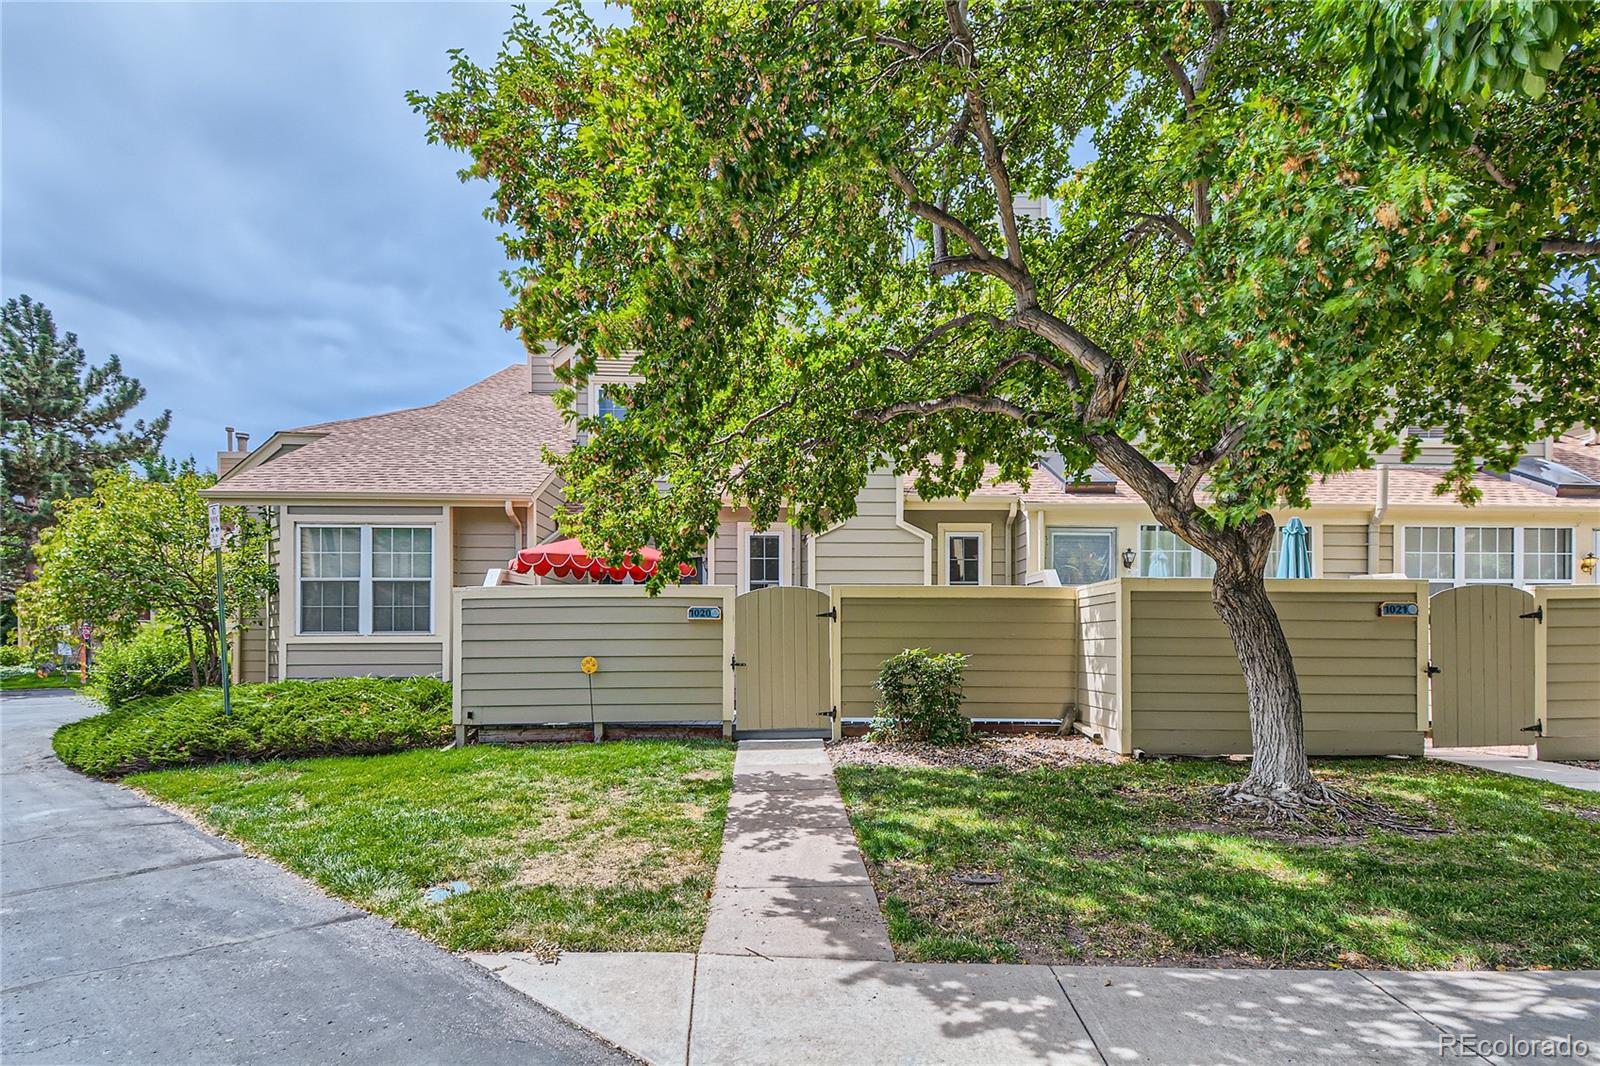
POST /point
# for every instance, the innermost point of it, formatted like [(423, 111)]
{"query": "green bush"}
[(921, 698), (11, 671), (153, 662), (284, 720), (11, 655)]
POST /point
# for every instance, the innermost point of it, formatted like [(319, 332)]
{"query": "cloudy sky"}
[(236, 199)]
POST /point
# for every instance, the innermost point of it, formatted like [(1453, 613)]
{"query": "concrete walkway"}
[(796, 966), (791, 883), (1554, 773)]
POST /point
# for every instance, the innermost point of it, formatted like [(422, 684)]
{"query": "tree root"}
[(1314, 806)]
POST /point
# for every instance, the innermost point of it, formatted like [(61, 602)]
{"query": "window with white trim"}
[(764, 560), (607, 405), (1489, 554), (1080, 555), (1429, 553), (1546, 554), (1163, 553), (963, 556), (366, 579)]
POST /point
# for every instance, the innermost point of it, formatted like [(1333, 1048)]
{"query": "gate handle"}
[(1536, 613)]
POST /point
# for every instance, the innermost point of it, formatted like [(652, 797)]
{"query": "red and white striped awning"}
[(566, 558)]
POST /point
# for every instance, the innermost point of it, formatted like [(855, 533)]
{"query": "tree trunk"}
[(1277, 730)]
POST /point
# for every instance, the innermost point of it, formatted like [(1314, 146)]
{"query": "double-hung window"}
[(366, 579), (765, 560), (1082, 556), (1163, 553)]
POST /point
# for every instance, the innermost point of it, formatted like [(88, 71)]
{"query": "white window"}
[(1277, 551), (1082, 556), (1546, 554), (1503, 555), (1490, 554), (366, 579), (1163, 553), (763, 557), (608, 406), (964, 558)]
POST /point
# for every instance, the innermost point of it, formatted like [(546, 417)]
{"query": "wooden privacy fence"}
[(1158, 672), (1021, 643), (1566, 671), (518, 653)]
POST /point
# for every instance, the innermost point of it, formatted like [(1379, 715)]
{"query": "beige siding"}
[(484, 539), (255, 659), (1359, 674), (545, 509), (999, 557), (1100, 662), (518, 653), (725, 549), (1022, 645), (875, 547), (1568, 672), (1387, 563), (364, 657), (1019, 549), (1344, 550)]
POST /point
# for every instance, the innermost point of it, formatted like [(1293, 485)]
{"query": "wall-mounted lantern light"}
[(1587, 563), (1129, 557)]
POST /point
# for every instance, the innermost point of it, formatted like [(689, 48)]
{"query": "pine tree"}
[(60, 421)]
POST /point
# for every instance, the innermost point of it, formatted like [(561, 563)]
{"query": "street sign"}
[(214, 517)]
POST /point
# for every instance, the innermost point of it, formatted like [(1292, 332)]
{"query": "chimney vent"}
[(244, 442), (230, 437)]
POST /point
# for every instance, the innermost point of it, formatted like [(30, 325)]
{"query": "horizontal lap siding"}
[(484, 540), (520, 659), (1344, 550), (871, 548), (364, 658), (1358, 674), (999, 557), (1099, 704), (1022, 650), (1572, 670)]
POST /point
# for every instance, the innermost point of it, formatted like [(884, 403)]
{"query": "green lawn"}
[(35, 681), (1122, 863), (585, 847)]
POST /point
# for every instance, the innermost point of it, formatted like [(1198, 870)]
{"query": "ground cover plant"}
[(20, 677), (286, 719), (582, 847), (1134, 863)]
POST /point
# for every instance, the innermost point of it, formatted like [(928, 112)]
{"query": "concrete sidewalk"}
[(791, 883), (1554, 773), (721, 1009)]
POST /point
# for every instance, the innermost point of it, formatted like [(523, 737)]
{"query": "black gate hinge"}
[(1537, 614), (831, 712), (831, 612), (1432, 669), (1536, 728)]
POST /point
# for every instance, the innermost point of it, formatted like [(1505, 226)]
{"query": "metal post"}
[(222, 642)]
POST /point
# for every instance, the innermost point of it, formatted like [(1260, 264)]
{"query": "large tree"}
[(1256, 270), (138, 546), (61, 420)]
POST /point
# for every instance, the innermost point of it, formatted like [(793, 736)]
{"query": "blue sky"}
[(237, 200)]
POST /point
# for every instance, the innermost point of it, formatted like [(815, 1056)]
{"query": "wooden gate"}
[(780, 663), (1481, 654)]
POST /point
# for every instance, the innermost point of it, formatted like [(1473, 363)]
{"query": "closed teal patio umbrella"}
[(1294, 555)]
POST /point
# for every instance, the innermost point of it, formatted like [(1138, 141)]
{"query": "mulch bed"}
[(1587, 764), (985, 753)]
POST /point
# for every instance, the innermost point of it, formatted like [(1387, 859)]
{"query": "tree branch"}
[(1476, 151), (1053, 330), (1560, 246), (1171, 224), (934, 215), (989, 144), (1197, 468), (958, 402)]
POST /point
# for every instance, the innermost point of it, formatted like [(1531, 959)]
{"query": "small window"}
[(1489, 554), (1163, 553), (766, 560), (1546, 554), (1082, 556), (608, 406), (1430, 553), (963, 558), (330, 579), (402, 580)]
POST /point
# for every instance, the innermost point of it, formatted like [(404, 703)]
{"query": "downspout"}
[(1374, 524), (1011, 545), (511, 513)]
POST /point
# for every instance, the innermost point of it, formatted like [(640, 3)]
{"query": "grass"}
[(1120, 863), (585, 847), (35, 681), (286, 719)]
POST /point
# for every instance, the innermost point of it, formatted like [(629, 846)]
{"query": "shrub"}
[(153, 662), (11, 671), (283, 720), (921, 698), (12, 655)]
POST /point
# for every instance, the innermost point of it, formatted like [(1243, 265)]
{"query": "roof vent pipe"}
[(243, 441), (230, 437)]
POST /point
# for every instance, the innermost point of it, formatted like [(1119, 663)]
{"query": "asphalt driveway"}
[(126, 934)]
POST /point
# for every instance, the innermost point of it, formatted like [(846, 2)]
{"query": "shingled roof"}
[(484, 441)]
